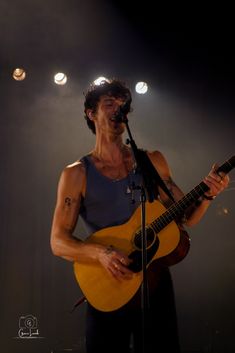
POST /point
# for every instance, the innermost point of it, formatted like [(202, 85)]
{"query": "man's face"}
[(107, 108)]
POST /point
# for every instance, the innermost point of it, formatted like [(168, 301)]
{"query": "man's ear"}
[(90, 114)]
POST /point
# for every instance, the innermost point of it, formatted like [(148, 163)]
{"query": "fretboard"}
[(178, 208)]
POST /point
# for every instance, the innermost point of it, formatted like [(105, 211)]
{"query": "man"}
[(99, 189)]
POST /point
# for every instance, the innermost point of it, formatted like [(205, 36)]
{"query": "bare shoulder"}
[(160, 163), (74, 170), (73, 176)]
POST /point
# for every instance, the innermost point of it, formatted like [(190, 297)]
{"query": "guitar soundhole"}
[(136, 255), (150, 237)]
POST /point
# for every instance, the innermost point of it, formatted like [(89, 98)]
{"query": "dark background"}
[(186, 57)]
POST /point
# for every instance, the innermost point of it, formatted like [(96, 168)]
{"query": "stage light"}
[(99, 80), (19, 74), (60, 78), (141, 87)]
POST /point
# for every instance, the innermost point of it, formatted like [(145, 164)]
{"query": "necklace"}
[(125, 169)]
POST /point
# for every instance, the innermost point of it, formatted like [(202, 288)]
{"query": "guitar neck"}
[(178, 208)]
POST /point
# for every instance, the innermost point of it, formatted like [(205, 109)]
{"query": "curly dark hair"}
[(114, 88)]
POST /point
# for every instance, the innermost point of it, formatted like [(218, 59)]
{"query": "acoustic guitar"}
[(167, 243)]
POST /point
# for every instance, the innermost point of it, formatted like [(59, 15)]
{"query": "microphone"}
[(121, 113)]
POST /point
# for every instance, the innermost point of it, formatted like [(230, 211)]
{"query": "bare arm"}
[(63, 243), (194, 213), (71, 187)]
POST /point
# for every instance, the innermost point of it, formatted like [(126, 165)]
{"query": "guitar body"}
[(169, 246)]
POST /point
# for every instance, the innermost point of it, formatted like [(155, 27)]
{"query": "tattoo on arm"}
[(68, 201), (71, 212)]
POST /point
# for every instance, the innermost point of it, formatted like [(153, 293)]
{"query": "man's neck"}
[(109, 150)]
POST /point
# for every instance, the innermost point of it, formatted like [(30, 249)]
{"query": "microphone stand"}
[(145, 188)]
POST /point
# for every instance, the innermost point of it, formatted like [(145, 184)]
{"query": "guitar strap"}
[(151, 177)]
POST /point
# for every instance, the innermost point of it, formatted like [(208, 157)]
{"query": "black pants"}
[(121, 331)]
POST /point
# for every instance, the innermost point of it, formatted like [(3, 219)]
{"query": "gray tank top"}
[(107, 202)]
